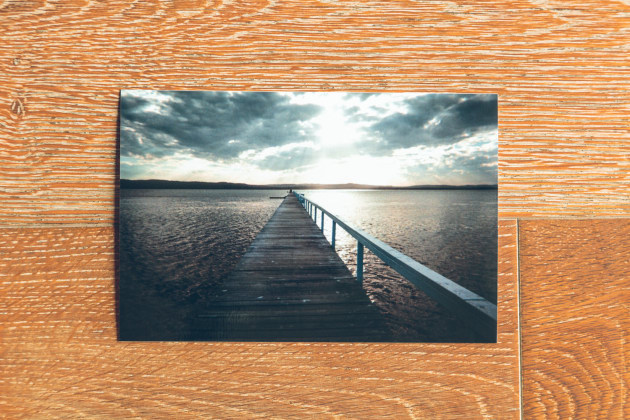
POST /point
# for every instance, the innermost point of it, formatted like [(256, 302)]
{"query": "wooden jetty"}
[(291, 286)]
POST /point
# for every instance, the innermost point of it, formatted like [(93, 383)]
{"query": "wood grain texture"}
[(561, 72), (575, 290), (61, 358)]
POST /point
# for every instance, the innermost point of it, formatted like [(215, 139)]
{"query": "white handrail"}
[(473, 309)]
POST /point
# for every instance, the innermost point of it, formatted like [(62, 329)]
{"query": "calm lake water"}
[(176, 247)]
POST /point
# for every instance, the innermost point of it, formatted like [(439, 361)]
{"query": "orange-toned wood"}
[(61, 359), (560, 69), (575, 290)]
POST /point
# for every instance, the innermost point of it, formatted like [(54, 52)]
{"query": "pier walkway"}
[(292, 286)]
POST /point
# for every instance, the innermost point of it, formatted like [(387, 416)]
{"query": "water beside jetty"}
[(176, 246)]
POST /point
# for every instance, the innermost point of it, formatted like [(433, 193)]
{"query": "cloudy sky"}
[(323, 137)]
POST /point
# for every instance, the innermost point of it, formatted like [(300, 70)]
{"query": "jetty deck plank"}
[(291, 285)]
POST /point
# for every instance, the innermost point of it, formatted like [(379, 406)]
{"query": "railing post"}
[(360, 262), (479, 313), (322, 221)]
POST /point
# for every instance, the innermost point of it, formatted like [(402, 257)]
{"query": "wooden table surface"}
[(562, 75)]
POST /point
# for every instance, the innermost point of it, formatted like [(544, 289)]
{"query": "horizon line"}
[(302, 184)]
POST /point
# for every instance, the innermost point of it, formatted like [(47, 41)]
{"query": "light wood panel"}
[(561, 73), (61, 358), (575, 289)]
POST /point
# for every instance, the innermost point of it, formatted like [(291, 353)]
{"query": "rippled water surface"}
[(176, 246)]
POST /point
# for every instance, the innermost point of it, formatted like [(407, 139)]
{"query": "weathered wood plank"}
[(292, 277), (575, 290)]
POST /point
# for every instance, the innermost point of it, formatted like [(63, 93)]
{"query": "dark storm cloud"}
[(469, 165), (216, 125), (429, 120), (432, 120), (477, 167), (477, 113), (219, 126)]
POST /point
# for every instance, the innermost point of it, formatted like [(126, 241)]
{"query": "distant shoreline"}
[(199, 185)]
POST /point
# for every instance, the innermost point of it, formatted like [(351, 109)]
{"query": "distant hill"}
[(199, 185)]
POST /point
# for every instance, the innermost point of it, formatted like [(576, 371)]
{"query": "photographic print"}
[(307, 216)]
